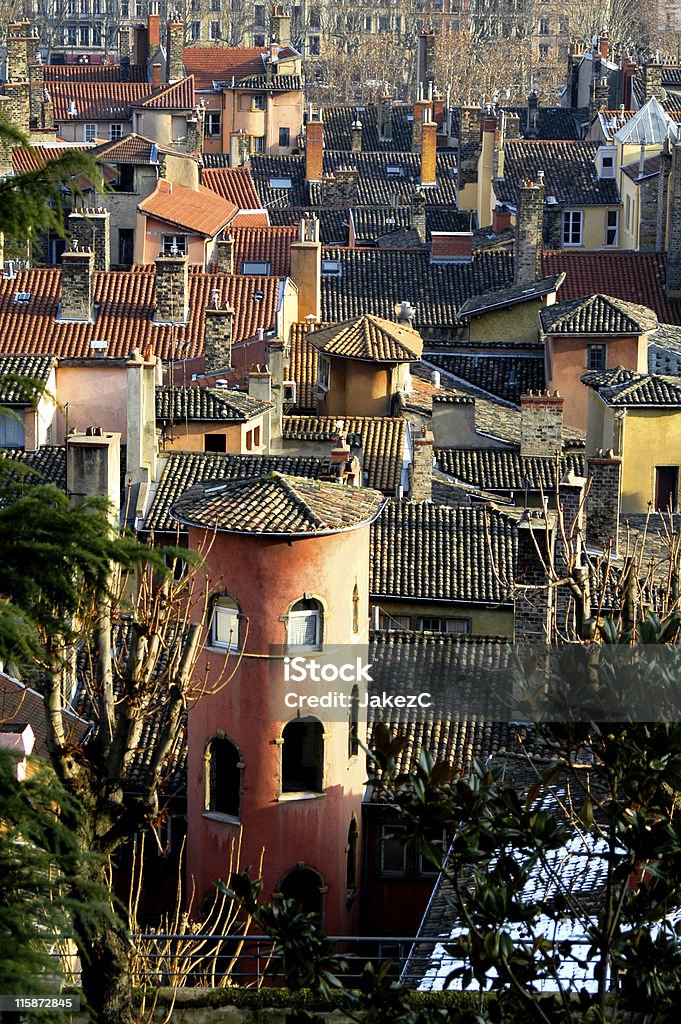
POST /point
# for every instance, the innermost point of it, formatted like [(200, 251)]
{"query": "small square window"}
[(595, 357), (90, 132), (174, 245), (258, 143), (115, 131), (225, 631), (213, 123)]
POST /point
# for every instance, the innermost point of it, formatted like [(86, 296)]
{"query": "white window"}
[(213, 122), (572, 227), (258, 101), (606, 159), (255, 267), (174, 245), (396, 623), (90, 132), (115, 131), (225, 625), (323, 373), (439, 624), (305, 624), (612, 225)]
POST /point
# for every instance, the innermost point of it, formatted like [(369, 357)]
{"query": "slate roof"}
[(383, 440), (370, 339), (277, 505), (206, 404), (633, 276), (200, 211), (232, 183), (131, 149), (36, 367), (499, 470), (373, 223), (114, 101), (427, 552), (46, 465), (510, 296), (569, 173), (502, 375), (623, 388), (264, 244), (125, 302), (333, 223), (373, 280), (338, 121), (597, 314), (178, 471)]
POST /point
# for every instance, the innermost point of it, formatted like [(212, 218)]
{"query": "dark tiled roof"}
[(510, 296), (270, 245), (303, 365), (277, 83), (504, 376), (625, 387), (338, 121), (664, 350), (383, 440), (47, 465), (498, 470), (179, 471), (633, 276), (232, 183), (373, 280), (21, 705), (333, 223), (277, 505), (373, 223), (569, 173), (370, 339), (597, 314), (553, 123), (431, 552), (36, 367), (264, 167), (203, 404), (131, 149)]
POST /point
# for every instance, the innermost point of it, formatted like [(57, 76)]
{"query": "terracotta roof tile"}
[(383, 440), (131, 149), (276, 505), (303, 365), (370, 339), (597, 314), (46, 465), (263, 244), (113, 101), (199, 211), (569, 173), (35, 157), (502, 375), (499, 471), (212, 63), (125, 303), (622, 388), (197, 404), (232, 183), (91, 72)]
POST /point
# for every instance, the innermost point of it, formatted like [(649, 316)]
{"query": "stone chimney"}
[(385, 118), (528, 233), (217, 345), (661, 203), (281, 26), (174, 47), (532, 112), (673, 283), (172, 289), (314, 149), (421, 114), (340, 188), (534, 596), (306, 269), (142, 448), (16, 105), (356, 131), (417, 205), (90, 229), (425, 60), (453, 422), (470, 145), (77, 285), (155, 76), (47, 111), (652, 81), (541, 424), (93, 467), (194, 135), (124, 51), (225, 255), (428, 153), (600, 94), (17, 44), (422, 467), (603, 500)]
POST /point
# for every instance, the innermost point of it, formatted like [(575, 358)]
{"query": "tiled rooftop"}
[(277, 505), (91, 72), (25, 160), (510, 296), (500, 374), (623, 388), (196, 404), (208, 63), (338, 121), (201, 212), (271, 245), (47, 465), (37, 368), (178, 471), (131, 149), (569, 173), (597, 314), (303, 365), (232, 183), (498, 470), (113, 101), (431, 552), (383, 439), (263, 83), (333, 224), (372, 223), (370, 339)]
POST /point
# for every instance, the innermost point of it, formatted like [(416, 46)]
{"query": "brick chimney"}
[(385, 118), (356, 132), (218, 339), (17, 44), (172, 289), (154, 33), (174, 47), (225, 255), (314, 149), (124, 52), (603, 500), (417, 204), (93, 467), (470, 145), (501, 219), (306, 269), (77, 285), (534, 596), (422, 467), (90, 229), (528, 233), (141, 438), (600, 94), (673, 283), (281, 26), (428, 153), (652, 81), (451, 246), (140, 45), (604, 45), (155, 76), (421, 114), (541, 423)]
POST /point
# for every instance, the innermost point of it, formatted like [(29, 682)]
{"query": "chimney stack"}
[(314, 149), (422, 467), (155, 76), (428, 153), (385, 118), (673, 283), (93, 468), (541, 424), (141, 450), (260, 387), (17, 46), (306, 269), (534, 599), (453, 422), (77, 285), (652, 81), (90, 229), (174, 47), (356, 146), (418, 213), (501, 219), (281, 26), (421, 114), (172, 289), (218, 339), (225, 255), (153, 33), (528, 232), (603, 501), (124, 52), (470, 146)]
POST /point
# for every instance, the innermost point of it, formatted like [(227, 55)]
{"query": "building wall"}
[(149, 241), (650, 438), (266, 576), (513, 323), (91, 393), (239, 437), (358, 389), (74, 131), (282, 110), (483, 620)]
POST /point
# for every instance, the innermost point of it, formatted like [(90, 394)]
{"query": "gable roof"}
[(338, 122), (620, 387), (33, 158), (232, 183), (277, 505), (37, 368), (502, 373), (131, 149), (370, 339), (421, 551), (500, 471), (201, 211), (569, 173), (596, 315), (199, 405), (263, 244), (651, 125), (113, 101), (210, 63)]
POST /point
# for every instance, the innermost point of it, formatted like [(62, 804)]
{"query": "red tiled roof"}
[(111, 101), (251, 219), (25, 160), (201, 212), (179, 96), (91, 73), (125, 302), (269, 244), (634, 276), (210, 63), (233, 183), (131, 149)]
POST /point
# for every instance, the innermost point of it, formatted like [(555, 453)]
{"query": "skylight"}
[(281, 183)]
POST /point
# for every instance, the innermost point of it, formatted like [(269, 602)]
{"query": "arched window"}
[(222, 777), (306, 887), (305, 622), (302, 756), (351, 854), (353, 723), (224, 631)]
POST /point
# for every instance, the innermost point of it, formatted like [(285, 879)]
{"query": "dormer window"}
[(605, 162), (255, 267), (281, 182)]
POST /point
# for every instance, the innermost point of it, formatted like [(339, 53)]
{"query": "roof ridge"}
[(298, 500)]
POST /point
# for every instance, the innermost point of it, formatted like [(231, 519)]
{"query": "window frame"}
[(170, 242), (314, 614), (596, 357), (90, 132), (210, 768), (612, 239), (284, 134), (231, 641), (323, 373), (213, 124), (115, 131), (569, 219)]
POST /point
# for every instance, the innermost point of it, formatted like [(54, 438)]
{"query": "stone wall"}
[(603, 501), (218, 340), (528, 233), (77, 285), (172, 289), (90, 229), (541, 424)]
